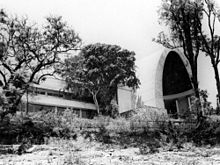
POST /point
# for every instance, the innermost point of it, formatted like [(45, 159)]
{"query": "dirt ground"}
[(93, 153)]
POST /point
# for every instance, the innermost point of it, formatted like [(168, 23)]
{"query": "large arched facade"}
[(165, 81)]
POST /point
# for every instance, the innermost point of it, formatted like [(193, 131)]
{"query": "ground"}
[(84, 152)]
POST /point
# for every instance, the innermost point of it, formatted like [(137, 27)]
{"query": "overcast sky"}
[(129, 23)]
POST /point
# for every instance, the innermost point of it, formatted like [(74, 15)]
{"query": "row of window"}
[(36, 108), (46, 92), (60, 94)]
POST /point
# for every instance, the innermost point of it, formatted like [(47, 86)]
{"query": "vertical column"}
[(80, 113), (189, 104), (177, 108), (55, 108)]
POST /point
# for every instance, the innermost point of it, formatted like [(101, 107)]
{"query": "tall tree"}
[(27, 55), (183, 18), (210, 37), (100, 68)]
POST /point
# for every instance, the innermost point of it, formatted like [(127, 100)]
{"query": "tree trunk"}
[(94, 96), (215, 67), (196, 89), (194, 79), (195, 86)]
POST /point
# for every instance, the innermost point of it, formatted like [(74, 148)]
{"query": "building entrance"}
[(177, 86)]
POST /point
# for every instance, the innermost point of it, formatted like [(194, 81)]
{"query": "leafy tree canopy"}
[(28, 54), (100, 68)]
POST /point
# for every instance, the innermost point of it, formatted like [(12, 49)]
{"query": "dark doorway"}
[(170, 105)]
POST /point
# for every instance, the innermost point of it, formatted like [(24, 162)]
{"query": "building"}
[(166, 81), (50, 95), (165, 84)]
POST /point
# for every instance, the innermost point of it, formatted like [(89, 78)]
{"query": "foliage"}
[(28, 54), (113, 109), (22, 130), (206, 105), (106, 128), (202, 132), (65, 124), (202, 102), (118, 125), (99, 69), (149, 124), (147, 117)]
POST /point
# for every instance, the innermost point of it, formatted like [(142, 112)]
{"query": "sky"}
[(129, 23)]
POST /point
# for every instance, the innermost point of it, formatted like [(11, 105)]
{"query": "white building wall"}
[(125, 99)]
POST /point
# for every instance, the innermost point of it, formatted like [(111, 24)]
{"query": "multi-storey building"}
[(51, 95)]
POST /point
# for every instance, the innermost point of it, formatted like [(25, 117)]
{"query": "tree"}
[(210, 38), (100, 68), (183, 18), (206, 107), (28, 54)]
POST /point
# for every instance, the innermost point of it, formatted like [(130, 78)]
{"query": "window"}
[(40, 92)]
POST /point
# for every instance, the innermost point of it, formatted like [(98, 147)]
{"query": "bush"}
[(21, 129), (118, 125), (206, 132), (147, 118), (65, 124), (145, 121)]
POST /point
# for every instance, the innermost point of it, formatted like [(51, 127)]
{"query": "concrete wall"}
[(125, 99)]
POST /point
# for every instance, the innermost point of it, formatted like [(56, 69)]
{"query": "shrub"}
[(102, 121), (22, 129), (62, 124), (206, 132), (118, 125), (146, 118)]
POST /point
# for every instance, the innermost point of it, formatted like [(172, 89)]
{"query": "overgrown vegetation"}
[(147, 129)]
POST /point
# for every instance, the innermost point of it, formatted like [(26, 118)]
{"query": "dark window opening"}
[(175, 75)]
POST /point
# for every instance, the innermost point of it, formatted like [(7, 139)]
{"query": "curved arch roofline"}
[(150, 71)]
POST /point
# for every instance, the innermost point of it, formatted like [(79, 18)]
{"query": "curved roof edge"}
[(150, 72)]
